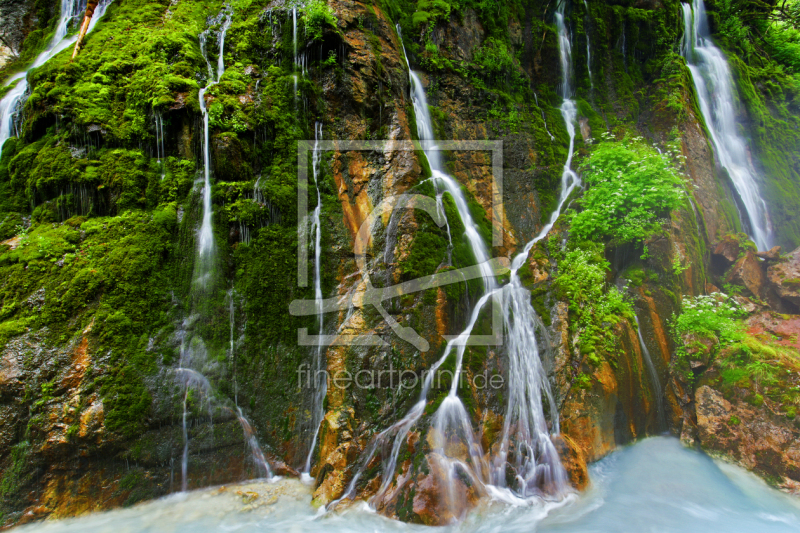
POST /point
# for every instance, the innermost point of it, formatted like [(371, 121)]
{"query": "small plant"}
[(710, 317), (678, 267), (734, 420), (318, 14), (596, 306), (331, 61)]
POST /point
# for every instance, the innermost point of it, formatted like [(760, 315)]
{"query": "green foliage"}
[(430, 12), (595, 306), (630, 188), (707, 317), (316, 16)]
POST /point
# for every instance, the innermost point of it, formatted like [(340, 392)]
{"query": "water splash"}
[(714, 85), (12, 103)]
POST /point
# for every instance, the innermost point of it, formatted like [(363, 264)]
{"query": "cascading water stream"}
[(205, 246), (588, 47), (160, 152), (655, 381), (318, 377), (194, 348), (714, 85), (538, 467), (12, 102)]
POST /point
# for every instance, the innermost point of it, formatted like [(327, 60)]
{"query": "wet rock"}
[(573, 459), (748, 273), (441, 497), (726, 252), (773, 254), (784, 280), (781, 329), (753, 437)]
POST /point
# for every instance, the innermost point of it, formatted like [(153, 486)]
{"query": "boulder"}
[(773, 254), (753, 437), (727, 251), (784, 280), (749, 274)]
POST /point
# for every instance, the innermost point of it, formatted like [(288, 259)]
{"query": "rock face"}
[(757, 438), (99, 210), (784, 279)]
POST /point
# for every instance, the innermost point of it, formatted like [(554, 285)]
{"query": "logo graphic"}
[(375, 296)]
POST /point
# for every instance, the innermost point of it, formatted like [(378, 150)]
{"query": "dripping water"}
[(655, 381), (193, 350), (588, 47), (539, 470)]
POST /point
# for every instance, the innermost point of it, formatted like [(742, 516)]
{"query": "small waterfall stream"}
[(655, 381), (205, 242), (526, 438), (319, 380), (588, 46), (715, 94), (193, 353), (12, 103)]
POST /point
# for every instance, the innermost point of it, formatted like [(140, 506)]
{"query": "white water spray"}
[(714, 84)]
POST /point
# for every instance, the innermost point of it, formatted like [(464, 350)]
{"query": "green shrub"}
[(318, 14), (581, 281), (708, 316), (630, 187)]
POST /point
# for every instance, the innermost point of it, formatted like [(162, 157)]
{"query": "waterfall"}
[(160, 152), (588, 46), (536, 460), (526, 438), (655, 382), (13, 102), (205, 247), (318, 376), (714, 85), (193, 352)]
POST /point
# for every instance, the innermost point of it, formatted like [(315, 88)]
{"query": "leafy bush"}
[(630, 186), (581, 281), (708, 317), (317, 15)]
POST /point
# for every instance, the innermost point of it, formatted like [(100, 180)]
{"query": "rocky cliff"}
[(115, 359)]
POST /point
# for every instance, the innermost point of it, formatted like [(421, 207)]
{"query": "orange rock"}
[(749, 274)]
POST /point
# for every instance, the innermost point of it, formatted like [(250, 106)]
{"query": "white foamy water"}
[(656, 485)]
